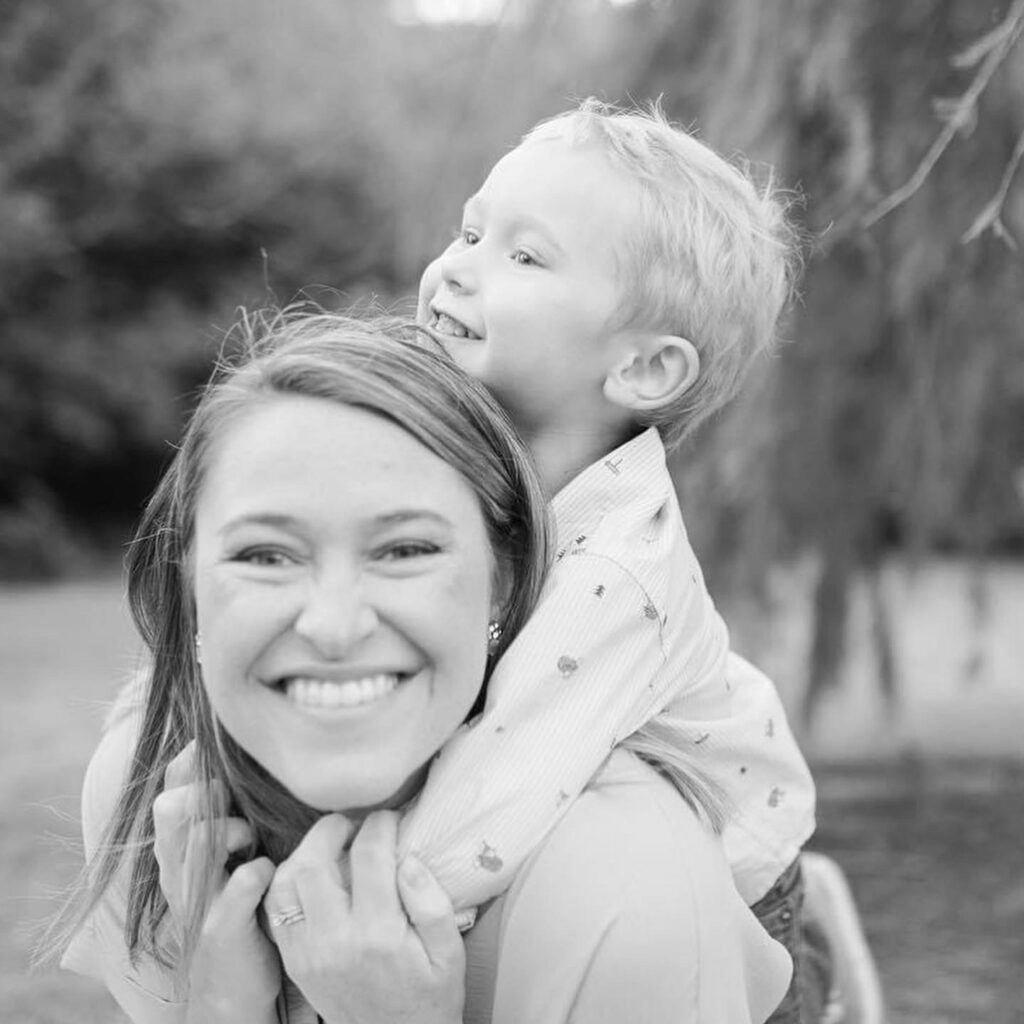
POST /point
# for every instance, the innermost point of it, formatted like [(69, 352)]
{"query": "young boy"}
[(613, 281)]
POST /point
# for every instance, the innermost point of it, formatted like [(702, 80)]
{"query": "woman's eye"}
[(406, 549), (263, 558)]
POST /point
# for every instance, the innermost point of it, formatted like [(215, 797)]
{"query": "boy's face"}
[(525, 298)]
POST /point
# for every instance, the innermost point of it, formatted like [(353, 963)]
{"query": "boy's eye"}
[(467, 236), (524, 258)]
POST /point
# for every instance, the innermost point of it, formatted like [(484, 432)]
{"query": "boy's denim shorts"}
[(780, 910)]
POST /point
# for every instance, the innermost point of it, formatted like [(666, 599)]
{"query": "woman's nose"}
[(336, 616)]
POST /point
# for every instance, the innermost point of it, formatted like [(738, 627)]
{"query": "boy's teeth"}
[(324, 693), (448, 325)]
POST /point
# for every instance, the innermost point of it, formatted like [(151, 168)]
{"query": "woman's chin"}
[(355, 801)]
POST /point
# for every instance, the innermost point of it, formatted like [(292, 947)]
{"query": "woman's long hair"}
[(372, 365)]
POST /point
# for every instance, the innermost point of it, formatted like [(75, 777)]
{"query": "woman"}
[(319, 577)]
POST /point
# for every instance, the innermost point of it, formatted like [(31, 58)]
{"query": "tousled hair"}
[(373, 365), (713, 258)]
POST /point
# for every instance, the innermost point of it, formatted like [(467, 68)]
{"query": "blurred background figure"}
[(860, 514)]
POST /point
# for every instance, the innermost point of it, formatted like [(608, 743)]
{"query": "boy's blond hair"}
[(713, 259)]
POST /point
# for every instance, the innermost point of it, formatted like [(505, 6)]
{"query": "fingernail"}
[(413, 871)]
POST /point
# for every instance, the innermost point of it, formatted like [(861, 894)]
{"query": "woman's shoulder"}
[(108, 767), (143, 989), (631, 841), (627, 911)]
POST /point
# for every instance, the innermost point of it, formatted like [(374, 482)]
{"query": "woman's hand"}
[(235, 974), (388, 954)]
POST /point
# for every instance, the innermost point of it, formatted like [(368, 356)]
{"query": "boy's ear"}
[(653, 373)]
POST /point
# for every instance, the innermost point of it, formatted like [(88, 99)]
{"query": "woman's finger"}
[(241, 896), (238, 834), (171, 830), (181, 769), (373, 862), (310, 882), (235, 972), (430, 912), (180, 806), (172, 814), (321, 847), (203, 849), (281, 909), (207, 850)]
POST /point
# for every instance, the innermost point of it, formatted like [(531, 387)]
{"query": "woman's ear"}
[(501, 592), (655, 372)]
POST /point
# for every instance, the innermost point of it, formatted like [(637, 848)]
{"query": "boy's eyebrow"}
[(529, 223), (474, 205)]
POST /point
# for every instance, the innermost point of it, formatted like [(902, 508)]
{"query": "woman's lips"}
[(315, 693)]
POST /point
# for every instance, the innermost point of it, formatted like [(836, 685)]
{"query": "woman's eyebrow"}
[(405, 515), (283, 521), (280, 520)]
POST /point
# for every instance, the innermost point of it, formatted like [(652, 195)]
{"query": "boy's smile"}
[(443, 324), (527, 297)]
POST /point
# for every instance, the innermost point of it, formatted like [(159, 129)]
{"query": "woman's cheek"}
[(237, 619)]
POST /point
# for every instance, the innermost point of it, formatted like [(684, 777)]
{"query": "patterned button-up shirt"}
[(625, 631)]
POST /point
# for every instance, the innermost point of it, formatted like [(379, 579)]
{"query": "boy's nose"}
[(336, 617), (457, 269), (430, 283)]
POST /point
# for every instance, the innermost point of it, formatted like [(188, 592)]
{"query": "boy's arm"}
[(588, 669)]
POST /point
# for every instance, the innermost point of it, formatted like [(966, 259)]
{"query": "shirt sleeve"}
[(628, 912), (584, 674), (144, 991)]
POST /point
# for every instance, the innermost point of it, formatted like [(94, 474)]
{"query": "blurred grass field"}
[(931, 846)]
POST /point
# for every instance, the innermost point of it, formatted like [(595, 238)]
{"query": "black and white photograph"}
[(511, 512)]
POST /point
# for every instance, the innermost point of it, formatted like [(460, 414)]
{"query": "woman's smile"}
[(343, 577), (314, 694)]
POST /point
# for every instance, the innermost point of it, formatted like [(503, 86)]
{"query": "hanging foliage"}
[(895, 418)]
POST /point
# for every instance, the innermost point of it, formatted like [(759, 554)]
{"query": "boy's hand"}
[(388, 954), (235, 973)]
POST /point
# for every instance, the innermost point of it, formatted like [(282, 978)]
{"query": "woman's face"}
[(343, 583)]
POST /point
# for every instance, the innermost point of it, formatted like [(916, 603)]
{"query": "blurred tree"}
[(155, 173), (162, 161), (906, 389)]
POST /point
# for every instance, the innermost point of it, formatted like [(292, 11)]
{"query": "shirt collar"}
[(634, 471)]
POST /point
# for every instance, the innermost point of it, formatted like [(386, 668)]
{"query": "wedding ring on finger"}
[(290, 915)]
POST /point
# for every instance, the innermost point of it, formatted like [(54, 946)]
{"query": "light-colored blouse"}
[(626, 912)]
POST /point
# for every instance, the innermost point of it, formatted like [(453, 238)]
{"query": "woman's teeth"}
[(324, 693), (444, 324)]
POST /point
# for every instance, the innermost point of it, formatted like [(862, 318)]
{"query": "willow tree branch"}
[(961, 114), (991, 216)]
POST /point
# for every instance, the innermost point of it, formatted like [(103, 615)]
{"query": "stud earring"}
[(493, 636)]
